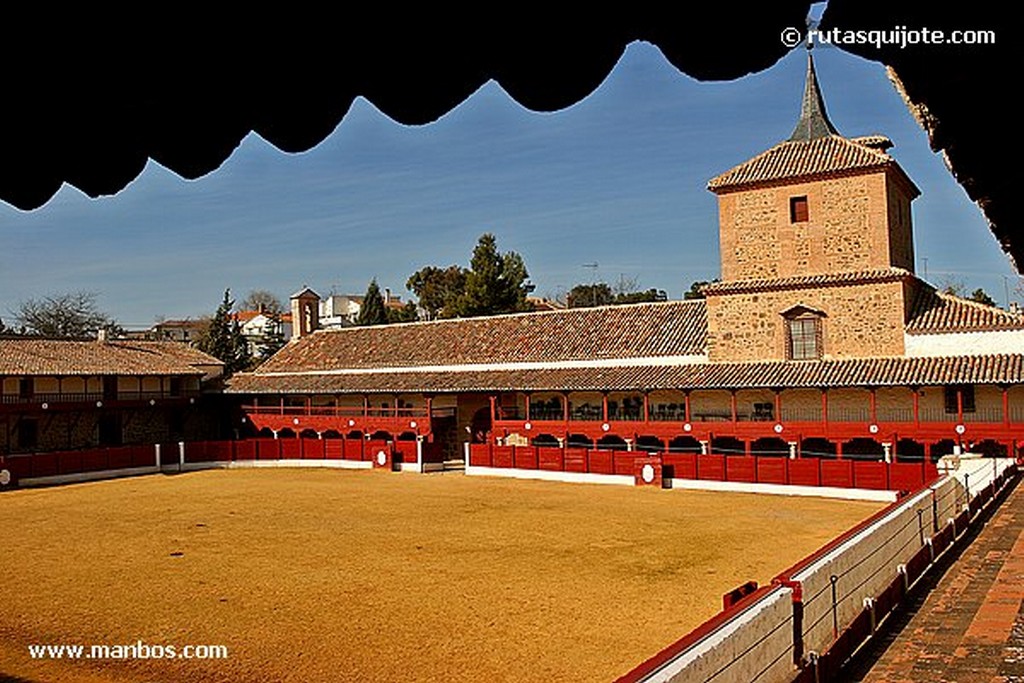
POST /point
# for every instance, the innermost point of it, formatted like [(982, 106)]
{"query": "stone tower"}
[(305, 312), (816, 247)]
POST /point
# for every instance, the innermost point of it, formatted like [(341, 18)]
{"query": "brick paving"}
[(970, 627)]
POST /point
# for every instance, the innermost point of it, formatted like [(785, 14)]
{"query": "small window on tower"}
[(798, 209)]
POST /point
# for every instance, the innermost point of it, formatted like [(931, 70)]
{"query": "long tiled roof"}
[(62, 357), (675, 328), (935, 312), (872, 372), (808, 281), (793, 160)]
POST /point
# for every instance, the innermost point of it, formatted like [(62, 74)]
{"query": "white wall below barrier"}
[(826, 593)]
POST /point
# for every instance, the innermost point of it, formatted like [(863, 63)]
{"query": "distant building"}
[(342, 310), (58, 394), (258, 327), (187, 330)]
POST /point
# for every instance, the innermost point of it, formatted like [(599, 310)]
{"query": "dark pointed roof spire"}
[(813, 123)]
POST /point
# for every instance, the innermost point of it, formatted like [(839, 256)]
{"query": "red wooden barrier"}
[(313, 449), (870, 475), (623, 462), (268, 449), (143, 456), (353, 449), (405, 452), (575, 459), (334, 449), (837, 473), (683, 465), (804, 472), (503, 456), (905, 476), (220, 451), (480, 454), (550, 459), (374, 445), (44, 465), (290, 449), (245, 450), (773, 470), (119, 457), (525, 457), (741, 468), (601, 462), (711, 467), (69, 462)]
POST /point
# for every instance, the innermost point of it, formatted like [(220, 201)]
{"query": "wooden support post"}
[(604, 407), (647, 409), (366, 405), (778, 405), (959, 405), (686, 404), (732, 404), (873, 405), (565, 408), (1006, 407), (824, 406), (527, 416), (430, 406), (917, 406), (493, 401)]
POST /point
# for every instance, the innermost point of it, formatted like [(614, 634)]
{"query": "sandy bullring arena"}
[(372, 576)]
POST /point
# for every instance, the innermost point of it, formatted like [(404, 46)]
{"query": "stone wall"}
[(857, 222), (860, 321)]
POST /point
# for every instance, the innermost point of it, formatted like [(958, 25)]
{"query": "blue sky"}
[(618, 179)]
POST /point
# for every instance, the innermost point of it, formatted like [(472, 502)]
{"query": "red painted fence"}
[(863, 474), (59, 463)]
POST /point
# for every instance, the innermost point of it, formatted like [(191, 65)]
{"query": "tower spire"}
[(813, 123)]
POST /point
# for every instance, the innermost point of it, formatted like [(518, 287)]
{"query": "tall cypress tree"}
[(372, 312), (224, 339)]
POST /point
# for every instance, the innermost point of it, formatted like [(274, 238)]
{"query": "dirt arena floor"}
[(314, 575)]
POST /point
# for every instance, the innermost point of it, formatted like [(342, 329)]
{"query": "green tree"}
[(696, 290), (982, 297), (405, 314), (371, 311), (223, 339), (584, 296), (496, 283), (438, 289), (640, 297)]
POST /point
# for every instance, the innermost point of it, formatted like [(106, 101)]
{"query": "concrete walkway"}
[(970, 627)]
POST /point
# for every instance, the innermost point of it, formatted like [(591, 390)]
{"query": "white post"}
[(181, 455), (887, 449), (156, 447), (465, 447), (703, 447), (419, 454), (792, 450)]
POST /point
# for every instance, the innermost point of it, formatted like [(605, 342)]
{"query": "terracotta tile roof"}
[(808, 281), (877, 372), (19, 356), (794, 160), (936, 312), (633, 331)]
